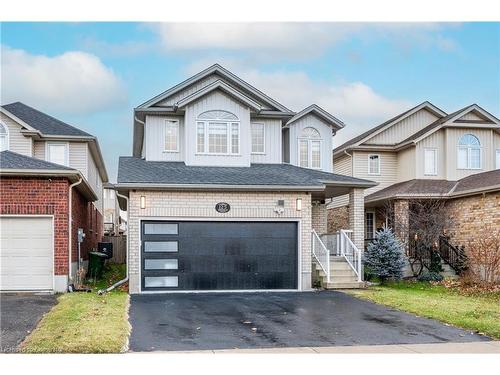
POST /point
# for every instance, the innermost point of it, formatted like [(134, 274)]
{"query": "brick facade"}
[(319, 218), (49, 196), (244, 205), (357, 217)]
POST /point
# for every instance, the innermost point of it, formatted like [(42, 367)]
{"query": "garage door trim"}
[(52, 245), (229, 219)]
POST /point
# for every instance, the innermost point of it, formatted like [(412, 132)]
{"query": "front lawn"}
[(84, 322), (478, 312)]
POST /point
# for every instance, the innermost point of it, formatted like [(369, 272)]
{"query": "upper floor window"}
[(258, 138), (430, 161), (171, 136), (4, 137), (469, 152), (58, 153), (218, 132), (373, 164), (310, 148)]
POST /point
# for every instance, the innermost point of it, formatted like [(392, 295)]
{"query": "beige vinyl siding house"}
[(16, 140)]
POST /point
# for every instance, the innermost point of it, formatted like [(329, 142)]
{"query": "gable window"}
[(469, 152), (498, 159), (310, 149), (258, 138), (172, 136), (57, 153), (218, 132), (373, 164), (430, 161), (4, 137)]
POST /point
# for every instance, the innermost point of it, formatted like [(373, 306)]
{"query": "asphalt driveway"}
[(19, 315), (276, 320)]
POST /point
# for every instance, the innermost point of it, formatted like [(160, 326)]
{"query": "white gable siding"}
[(39, 150), (78, 153), (17, 141), (388, 169), (325, 131), (435, 141), (471, 116), (188, 90), (217, 100), (272, 142), (154, 135), (406, 165), (403, 129), (95, 181), (343, 165)]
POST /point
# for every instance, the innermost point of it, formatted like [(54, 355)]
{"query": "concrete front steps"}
[(341, 275)]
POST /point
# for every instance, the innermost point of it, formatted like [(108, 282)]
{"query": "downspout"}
[(122, 281), (352, 162), (70, 227)]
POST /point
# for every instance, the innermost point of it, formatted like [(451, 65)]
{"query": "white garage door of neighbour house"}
[(26, 253)]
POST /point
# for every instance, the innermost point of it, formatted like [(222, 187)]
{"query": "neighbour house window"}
[(218, 132), (310, 148), (4, 137), (57, 153), (369, 225), (373, 164), (430, 162), (172, 136), (258, 138), (469, 152)]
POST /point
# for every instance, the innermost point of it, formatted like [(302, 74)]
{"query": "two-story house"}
[(51, 181), (226, 189), (425, 153)]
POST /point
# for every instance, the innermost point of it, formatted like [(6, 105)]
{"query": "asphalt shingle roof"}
[(46, 124), (13, 160), (478, 181), (136, 170)]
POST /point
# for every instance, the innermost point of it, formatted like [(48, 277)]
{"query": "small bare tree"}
[(483, 254)]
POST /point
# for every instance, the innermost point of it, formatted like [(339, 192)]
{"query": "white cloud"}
[(355, 103), (73, 82), (300, 40)]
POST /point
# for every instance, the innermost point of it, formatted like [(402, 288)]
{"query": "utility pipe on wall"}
[(70, 227)]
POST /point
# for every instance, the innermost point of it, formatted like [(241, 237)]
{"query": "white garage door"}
[(26, 253)]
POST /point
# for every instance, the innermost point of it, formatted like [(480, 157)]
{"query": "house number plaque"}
[(222, 207)]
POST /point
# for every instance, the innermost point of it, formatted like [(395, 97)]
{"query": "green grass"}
[(84, 322), (479, 312)]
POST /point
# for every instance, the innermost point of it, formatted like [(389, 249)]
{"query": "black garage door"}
[(182, 255)]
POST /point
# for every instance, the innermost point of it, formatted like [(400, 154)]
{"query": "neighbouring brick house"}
[(226, 190), (425, 154), (50, 185)]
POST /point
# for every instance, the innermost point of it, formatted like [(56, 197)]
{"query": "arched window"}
[(310, 148), (469, 152), (218, 132), (4, 137)]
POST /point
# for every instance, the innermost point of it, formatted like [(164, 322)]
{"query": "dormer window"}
[(4, 137), (310, 148), (469, 152), (171, 136), (218, 133)]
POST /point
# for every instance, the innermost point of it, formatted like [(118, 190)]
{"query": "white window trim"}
[(178, 139), (229, 137), (497, 154), (263, 139), (66, 156), (379, 164), (7, 136), (374, 222), (309, 152), (468, 166), (435, 161)]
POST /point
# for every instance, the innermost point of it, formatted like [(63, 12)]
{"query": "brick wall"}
[(338, 218), (357, 217), (319, 219), (247, 205), (472, 215), (40, 196)]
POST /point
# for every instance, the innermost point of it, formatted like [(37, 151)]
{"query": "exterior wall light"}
[(143, 201), (298, 204)]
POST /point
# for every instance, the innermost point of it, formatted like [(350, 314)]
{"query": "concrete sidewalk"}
[(484, 347)]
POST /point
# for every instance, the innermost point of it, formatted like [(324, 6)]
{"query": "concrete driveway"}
[(214, 321), (19, 315)]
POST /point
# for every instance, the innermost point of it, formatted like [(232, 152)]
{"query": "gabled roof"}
[(385, 125), (42, 122), (449, 120), (219, 85), (224, 73), (139, 172), (321, 113)]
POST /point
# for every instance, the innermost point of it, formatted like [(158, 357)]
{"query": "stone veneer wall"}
[(338, 218), (472, 215), (194, 205)]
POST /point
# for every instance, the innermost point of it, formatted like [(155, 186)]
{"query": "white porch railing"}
[(321, 254), (349, 251)]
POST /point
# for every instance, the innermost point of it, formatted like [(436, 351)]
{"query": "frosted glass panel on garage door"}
[(159, 247), (161, 282), (160, 228)]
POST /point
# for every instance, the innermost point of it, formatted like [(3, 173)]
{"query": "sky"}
[(92, 75)]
